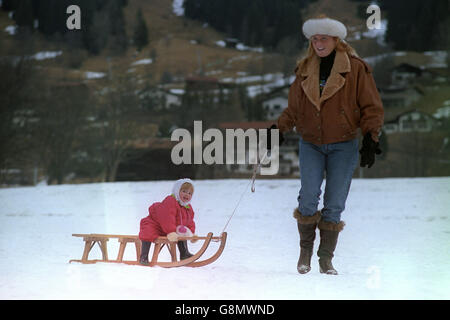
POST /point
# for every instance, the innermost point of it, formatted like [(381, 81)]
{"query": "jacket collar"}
[(335, 81)]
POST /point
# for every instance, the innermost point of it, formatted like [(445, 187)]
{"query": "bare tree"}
[(19, 95), (60, 119), (118, 123)]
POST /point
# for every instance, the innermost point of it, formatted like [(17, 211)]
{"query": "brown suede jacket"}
[(350, 100)]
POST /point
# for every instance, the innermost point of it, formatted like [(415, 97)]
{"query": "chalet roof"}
[(398, 116), (406, 67)]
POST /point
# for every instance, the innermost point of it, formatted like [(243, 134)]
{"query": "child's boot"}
[(145, 248), (184, 252)]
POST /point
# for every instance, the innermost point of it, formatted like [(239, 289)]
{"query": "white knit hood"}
[(176, 189)]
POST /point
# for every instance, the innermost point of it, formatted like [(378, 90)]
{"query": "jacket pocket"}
[(352, 122)]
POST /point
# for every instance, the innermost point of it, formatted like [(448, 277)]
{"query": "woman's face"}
[(323, 45), (186, 194)]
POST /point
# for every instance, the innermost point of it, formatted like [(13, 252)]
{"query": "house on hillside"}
[(171, 98), (207, 89), (275, 106), (404, 74), (231, 42), (400, 97), (275, 102), (444, 111), (411, 121), (161, 98)]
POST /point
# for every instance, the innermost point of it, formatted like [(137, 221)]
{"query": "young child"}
[(172, 217)]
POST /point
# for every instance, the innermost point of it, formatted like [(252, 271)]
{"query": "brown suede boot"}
[(329, 233), (307, 230)]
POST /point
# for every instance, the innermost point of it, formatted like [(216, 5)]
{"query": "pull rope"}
[(256, 168), (252, 182), (237, 205)]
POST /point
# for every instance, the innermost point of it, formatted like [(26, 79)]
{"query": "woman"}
[(333, 95)]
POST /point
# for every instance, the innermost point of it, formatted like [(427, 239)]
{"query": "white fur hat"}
[(325, 26)]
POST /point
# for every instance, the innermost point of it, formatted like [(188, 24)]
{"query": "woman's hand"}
[(368, 151)]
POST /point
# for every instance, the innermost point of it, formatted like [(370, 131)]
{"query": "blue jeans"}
[(338, 161)]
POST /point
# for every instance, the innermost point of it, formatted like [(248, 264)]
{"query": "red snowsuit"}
[(164, 217)]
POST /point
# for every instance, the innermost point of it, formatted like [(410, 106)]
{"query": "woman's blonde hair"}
[(341, 45)]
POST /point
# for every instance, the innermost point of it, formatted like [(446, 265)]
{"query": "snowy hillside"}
[(395, 245)]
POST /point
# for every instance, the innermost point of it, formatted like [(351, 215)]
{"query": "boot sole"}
[(330, 272), (303, 269), (144, 263)]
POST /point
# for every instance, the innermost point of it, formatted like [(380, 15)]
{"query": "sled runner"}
[(101, 239)]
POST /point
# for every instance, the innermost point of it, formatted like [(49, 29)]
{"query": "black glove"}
[(269, 137), (368, 151)]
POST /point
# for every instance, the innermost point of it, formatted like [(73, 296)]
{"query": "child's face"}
[(186, 194)]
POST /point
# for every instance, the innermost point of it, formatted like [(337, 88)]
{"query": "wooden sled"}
[(101, 239)]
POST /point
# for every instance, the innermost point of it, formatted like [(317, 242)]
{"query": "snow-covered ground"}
[(142, 61), (270, 81), (396, 244), (46, 55), (94, 75)]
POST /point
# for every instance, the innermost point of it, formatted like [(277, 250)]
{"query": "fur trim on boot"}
[(331, 226), (314, 219)]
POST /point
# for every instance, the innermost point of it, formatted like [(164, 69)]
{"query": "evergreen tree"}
[(24, 13), (414, 24), (118, 40), (140, 35), (8, 5), (255, 22), (100, 19)]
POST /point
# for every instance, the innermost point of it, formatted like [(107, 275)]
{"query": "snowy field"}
[(396, 244)]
